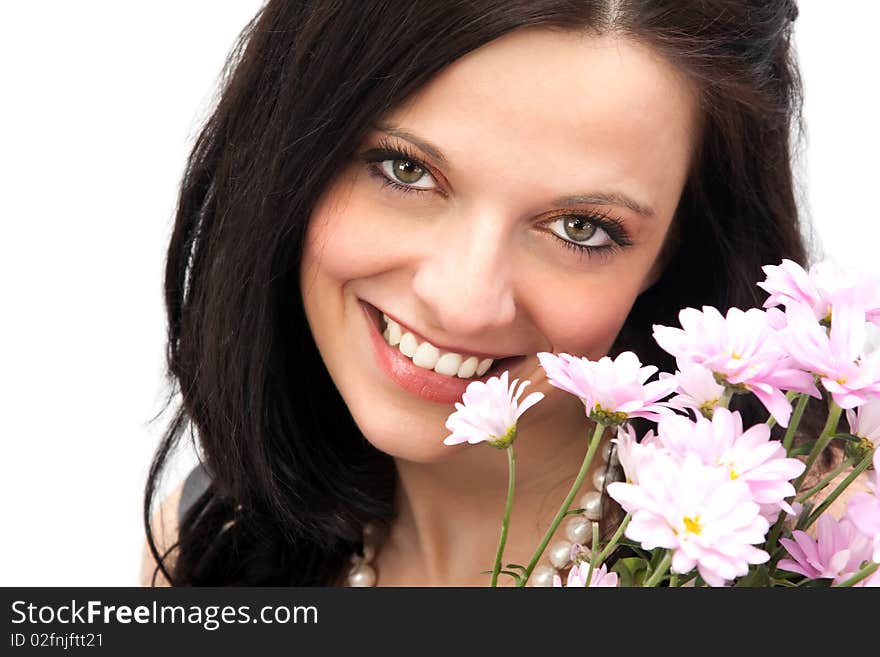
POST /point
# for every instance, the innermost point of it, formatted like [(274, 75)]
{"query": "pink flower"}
[(630, 452), (864, 510), (836, 554), (866, 422), (697, 389), (611, 390), (741, 349), (749, 456), (490, 412), (577, 576), (835, 355), (823, 288), (708, 520)]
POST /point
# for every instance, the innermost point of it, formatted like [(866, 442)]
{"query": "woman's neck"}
[(449, 513)]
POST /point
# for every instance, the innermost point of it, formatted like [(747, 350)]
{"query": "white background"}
[(99, 105)]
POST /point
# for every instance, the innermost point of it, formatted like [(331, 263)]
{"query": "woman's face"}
[(517, 204)]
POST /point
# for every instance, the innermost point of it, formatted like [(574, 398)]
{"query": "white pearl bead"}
[(591, 503), (599, 479), (369, 551), (560, 553), (363, 575), (542, 576), (579, 529)]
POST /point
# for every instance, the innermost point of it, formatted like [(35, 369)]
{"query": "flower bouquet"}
[(708, 501)]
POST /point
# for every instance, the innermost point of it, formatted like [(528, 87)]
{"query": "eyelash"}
[(612, 226)]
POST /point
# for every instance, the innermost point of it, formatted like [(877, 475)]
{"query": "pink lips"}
[(418, 381)]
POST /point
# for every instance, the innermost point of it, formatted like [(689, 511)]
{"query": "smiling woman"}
[(487, 249), (390, 203)]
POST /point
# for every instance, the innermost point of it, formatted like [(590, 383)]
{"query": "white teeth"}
[(468, 367), (448, 364), (392, 332), (426, 356), (408, 345)]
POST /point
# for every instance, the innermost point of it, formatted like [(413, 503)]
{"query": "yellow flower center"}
[(503, 442), (731, 469), (608, 418), (707, 409), (692, 525)]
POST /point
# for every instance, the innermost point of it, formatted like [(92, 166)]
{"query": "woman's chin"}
[(417, 450)]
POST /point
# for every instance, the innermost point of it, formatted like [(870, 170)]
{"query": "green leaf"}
[(656, 558), (847, 436), (631, 571), (574, 512), (805, 515), (803, 449), (515, 565), (779, 581), (686, 578), (758, 576)]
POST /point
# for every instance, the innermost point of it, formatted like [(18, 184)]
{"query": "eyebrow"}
[(606, 198), (592, 198), (429, 148)]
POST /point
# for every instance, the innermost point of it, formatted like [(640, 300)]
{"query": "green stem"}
[(687, 578), (803, 497), (585, 466), (794, 422), (511, 465), (867, 571), (673, 580), (859, 469), (726, 396), (771, 421), (593, 553), (825, 437), (662, 567), (775, 532), (614, 539), (822, 442)]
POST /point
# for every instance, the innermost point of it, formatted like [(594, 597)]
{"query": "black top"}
[(196, 483)]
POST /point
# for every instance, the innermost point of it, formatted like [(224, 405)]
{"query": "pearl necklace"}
[(562, 553)]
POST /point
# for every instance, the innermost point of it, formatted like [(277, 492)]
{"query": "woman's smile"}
[(435, 373)]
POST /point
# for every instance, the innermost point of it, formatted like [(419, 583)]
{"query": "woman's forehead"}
[(560, 109)]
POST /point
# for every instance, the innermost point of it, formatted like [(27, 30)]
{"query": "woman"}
[(495, 179)]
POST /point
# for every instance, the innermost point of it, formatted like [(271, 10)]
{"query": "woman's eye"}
[(407, 173), (580, 231)]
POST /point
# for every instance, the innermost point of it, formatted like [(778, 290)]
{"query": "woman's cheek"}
[(583, 316), (351, 236)]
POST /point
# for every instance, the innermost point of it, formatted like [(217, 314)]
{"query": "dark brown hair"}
[(292, 480)]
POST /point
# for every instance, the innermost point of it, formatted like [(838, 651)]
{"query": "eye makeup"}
[(387, 150)]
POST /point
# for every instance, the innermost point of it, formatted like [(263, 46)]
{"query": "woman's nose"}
[(464, 277)]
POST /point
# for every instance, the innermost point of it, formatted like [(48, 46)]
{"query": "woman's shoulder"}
[(164, 526), (166, 523)]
